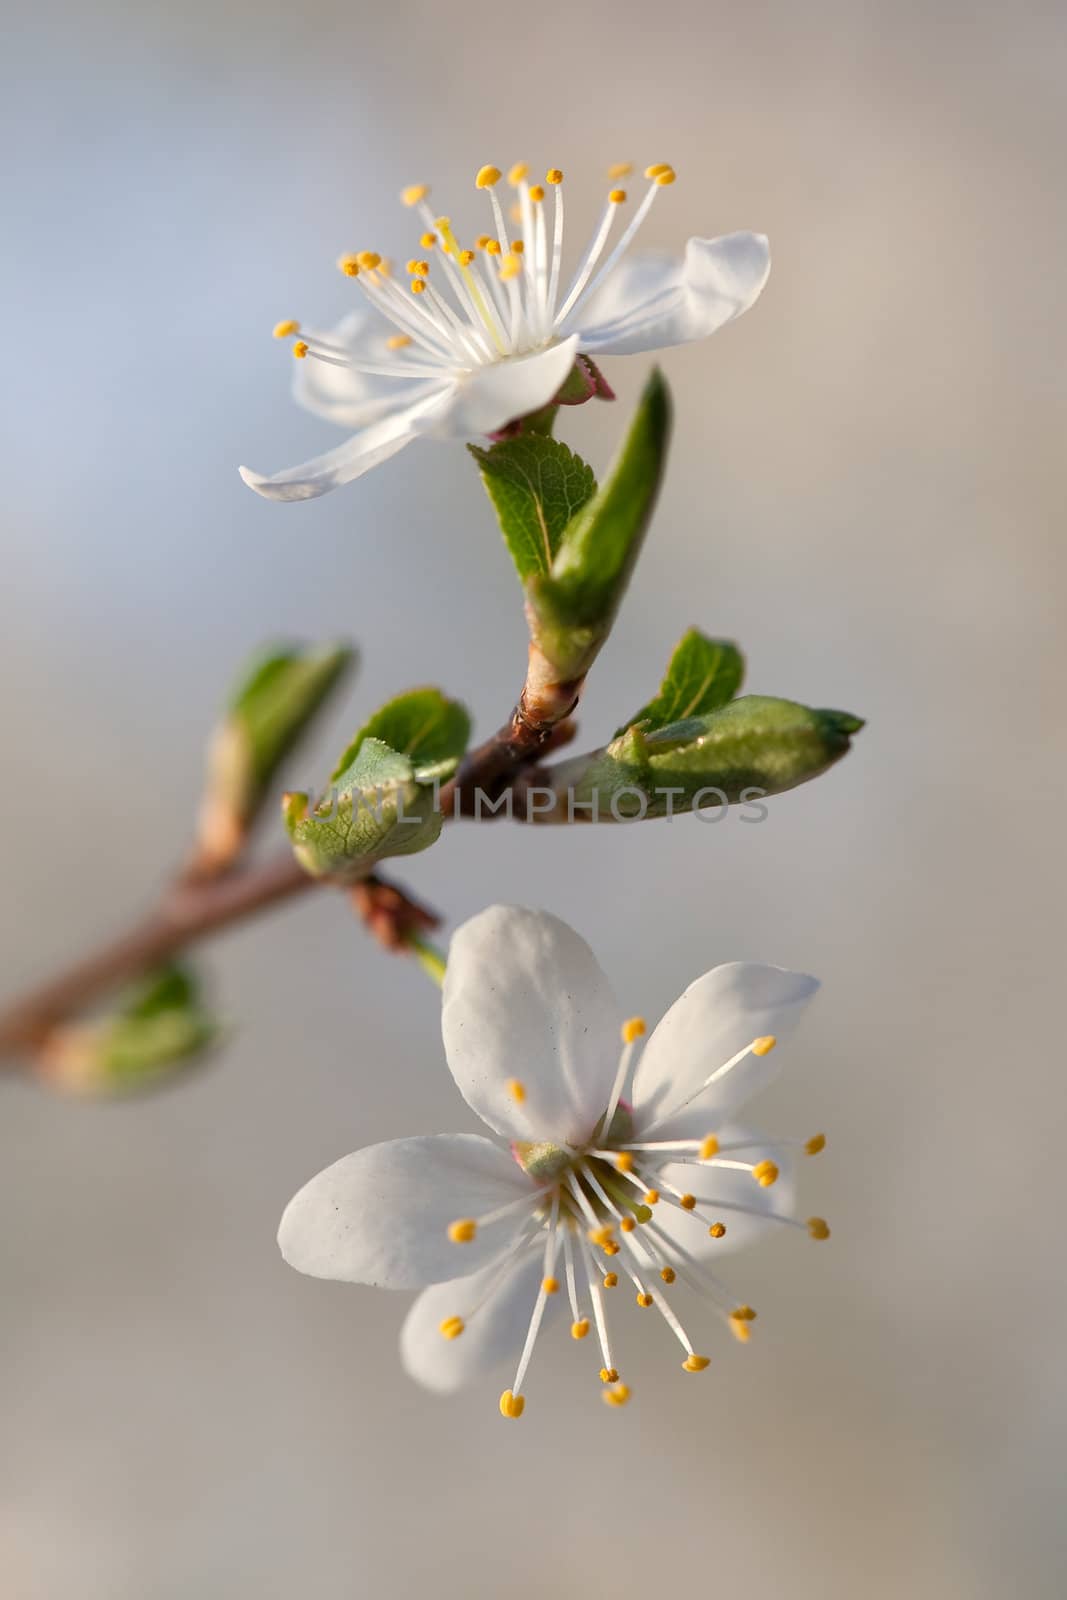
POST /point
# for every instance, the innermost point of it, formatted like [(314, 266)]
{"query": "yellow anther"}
[(624, 1161), (687, 1201), (418, 269), (414, 193), (818, 1227), (512, 1405), (695, 1363), (743, 1314), (482, 241), (515, 212), (385, 267), (742, 1331), (462, 1231), (717, 1230), (466, 257), (282, 330), (418, 286), (452, 1327), (517, 247), (349, 265), (816, 1143), (398, 341), (652, 1197), (668, 1274), (492, 247), (518, 172), (658, 169), (428, 240), (627, 1224), (369, 259), (553, 175), (486, 178), (644, 1300), (621, 169), (550, 1285), (602, 1235), (611, 1280), (666, 178), (608, 1375), (442, 224), (537, 194), (617, 1395), (580, 1328), (764, 1045), (300, 349), (617, 196), (510, 267), (709, 1148), (765, 1173), (632, 1029), (517, 1090), (611, 1248)]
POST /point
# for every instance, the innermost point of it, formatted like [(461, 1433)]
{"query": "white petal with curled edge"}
[(355, 399), (525, 1001), (492, 396), (381, 1216), (719, 1015), (493, 1334), (714, 1185), (650, 303), (352, 459)]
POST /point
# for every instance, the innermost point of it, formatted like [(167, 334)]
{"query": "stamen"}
[(611, 1280), (695, 1363), (517, 1090), (617, 1395), (765, 1173), (517, 173), (624, 1161), (764, 1046), (537, 194), (596, 1296), (633, 1029), (368, 260), (452, 1327), (512, 1405), (550, 1285), (428, 240), (652, 1197), (818, 1228), (580, 1328), (554, 176), (414, 193), (644, 1300), (816, 1143), (463, 1230), (709, 1148), (717, 1230), (398, 341), (668, 1274), (283, 330), (487, 177), (545, 1290), (300, 349), (621, 169)]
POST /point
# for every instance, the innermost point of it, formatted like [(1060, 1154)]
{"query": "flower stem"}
[(429, 957)]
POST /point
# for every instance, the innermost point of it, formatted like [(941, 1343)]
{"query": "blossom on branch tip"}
[(659, 1182), (476, 338)]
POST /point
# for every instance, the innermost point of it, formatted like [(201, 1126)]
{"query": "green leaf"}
[(702, 675), (163, 1028), (748, 749), (382, 798), (272, 707), (573, 606), (536, 485), (424, 725)]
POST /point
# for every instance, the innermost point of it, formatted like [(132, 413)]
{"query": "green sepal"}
[(572, 606), (272, 707), (702, 675), (537, 485), (382, 796), (748, 749)]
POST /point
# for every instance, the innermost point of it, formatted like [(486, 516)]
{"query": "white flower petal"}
[(718, 1184), (495, 1332), (355, 399), (491, 396), (717, 1016), (356, 456), (649, 303), (381, 1216), (525, 999)]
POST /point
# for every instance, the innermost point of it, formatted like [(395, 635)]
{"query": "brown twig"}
[(202, 902)]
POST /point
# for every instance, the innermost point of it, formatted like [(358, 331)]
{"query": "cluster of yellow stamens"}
[(500, 298), (597, 1199)]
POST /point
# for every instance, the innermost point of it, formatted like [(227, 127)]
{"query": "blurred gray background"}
[(866, 491)]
